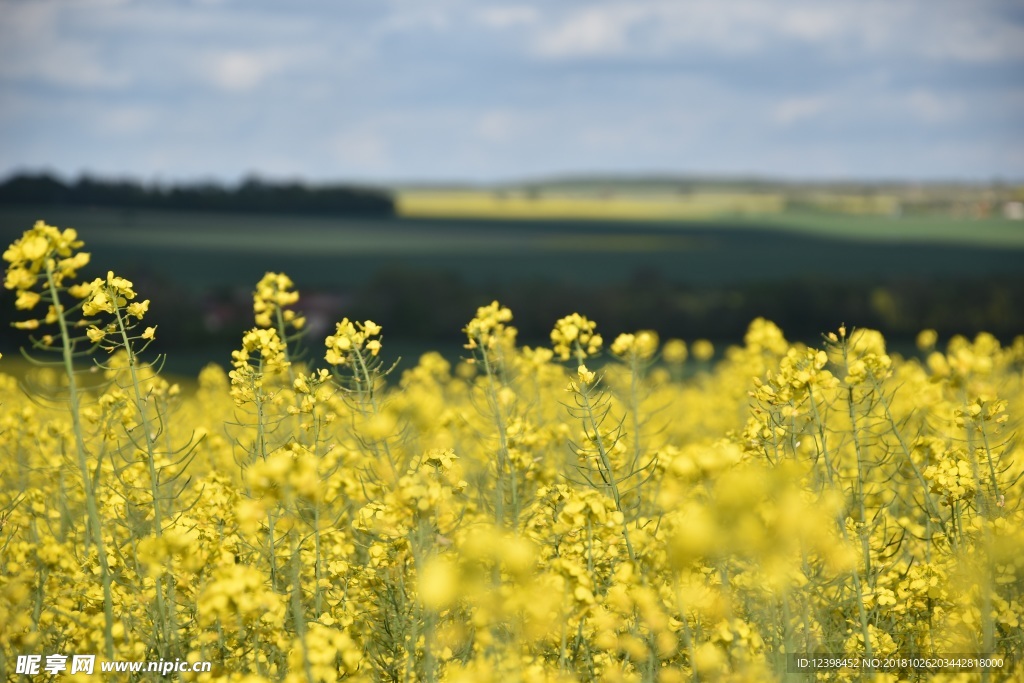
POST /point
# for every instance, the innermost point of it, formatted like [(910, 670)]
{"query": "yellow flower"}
[(42, 241), (574, 335), (703, 350), (138, 308), (926, 339), (42, 248), (106, 294), (489, 328), (586, 376), (247, 380), (274, 292), (640, 346), (81, 290), (439, 583), (34, 247), (352, 338), (674, 352), (26, 300)]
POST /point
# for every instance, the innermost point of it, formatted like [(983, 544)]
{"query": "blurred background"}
[(684, 165)]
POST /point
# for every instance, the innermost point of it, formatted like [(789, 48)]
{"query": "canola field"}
[(609, 507), (524, 205)]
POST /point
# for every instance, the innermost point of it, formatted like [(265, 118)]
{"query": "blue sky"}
[(473, 90)]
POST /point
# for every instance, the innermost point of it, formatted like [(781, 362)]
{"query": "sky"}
[(481, 91)]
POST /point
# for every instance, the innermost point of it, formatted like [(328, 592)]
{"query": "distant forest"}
[(251, 195)]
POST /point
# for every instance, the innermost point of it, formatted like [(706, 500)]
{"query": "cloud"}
[(37, 46), (507, 16), (798, 109), (930, 107), (361, 147), (507, 126), (485, 89), (411, 17), (238, 70), (125, 120), (592, 32), (944, 30), (966, 33)]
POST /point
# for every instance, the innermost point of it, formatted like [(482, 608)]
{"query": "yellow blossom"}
[(574, 336)]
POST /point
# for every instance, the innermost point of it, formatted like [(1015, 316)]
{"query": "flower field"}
[(608, 508)]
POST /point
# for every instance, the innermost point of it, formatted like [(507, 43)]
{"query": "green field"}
[(203, 249), (422, 278)]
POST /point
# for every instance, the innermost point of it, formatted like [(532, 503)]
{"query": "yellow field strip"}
[(470, 204)]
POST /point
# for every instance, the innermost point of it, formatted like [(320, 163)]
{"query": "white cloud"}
[(34, 46), (810, 23), (416, 16), (505, 125), (930, 107), (125, 120), (244, 68), (946, 30), (507, 16), (241, 70), (362, 148), (591, 32), (798, 109), (500, 88), (496, 125), (972, 37)]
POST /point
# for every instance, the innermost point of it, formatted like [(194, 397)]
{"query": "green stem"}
[(369, 395), (291, 372), (163, 620), (92, 509), (606, 463), (503, 463), (298, 614)]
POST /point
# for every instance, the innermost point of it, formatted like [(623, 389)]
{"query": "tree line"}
[(251, 195)]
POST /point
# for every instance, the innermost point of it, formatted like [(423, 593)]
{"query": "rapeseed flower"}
[(476, 522), (352, 339), (574, 336)]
